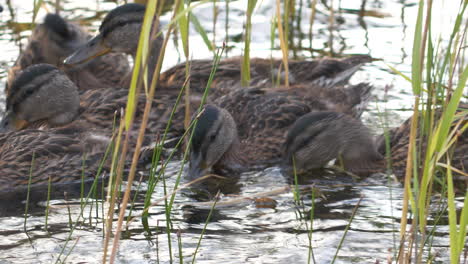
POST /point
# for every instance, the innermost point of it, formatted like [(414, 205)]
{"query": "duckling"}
[(119, 32), (43, 97), (64, 155), (53, 40), (247, 128), (317, 138)]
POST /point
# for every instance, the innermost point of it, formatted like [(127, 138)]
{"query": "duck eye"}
[(212, 137)]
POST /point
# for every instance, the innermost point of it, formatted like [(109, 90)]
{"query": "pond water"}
[(241, 230)]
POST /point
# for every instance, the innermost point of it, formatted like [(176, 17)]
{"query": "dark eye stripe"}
[(108, 29), (20, 97), (27, 76)]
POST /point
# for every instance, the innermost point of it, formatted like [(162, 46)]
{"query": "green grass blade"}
[(184, 28), (248, 32), (454, 250), (143, 47), (199, 28), (417, 52)]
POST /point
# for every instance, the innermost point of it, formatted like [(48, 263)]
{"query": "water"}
[(240, 229)]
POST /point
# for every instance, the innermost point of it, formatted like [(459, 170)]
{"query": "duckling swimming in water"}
[(119, 32), (317, 138), (64, 155), (55, 39), (247, 128)]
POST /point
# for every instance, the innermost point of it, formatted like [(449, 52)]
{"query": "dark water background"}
[(240, 231)]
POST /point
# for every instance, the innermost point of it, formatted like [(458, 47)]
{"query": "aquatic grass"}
[(282, 34), (310, 254), (49, 186), (201, 31), (93, 186), (313, 10), (331, 25), (245, 67), (168, 206), (205, 226), (226, 26), (346, 229), (156, 158), (112, 190), (296, 182), (36, 5), (438, 128), (148, 17), (26, 206), (179, 244)]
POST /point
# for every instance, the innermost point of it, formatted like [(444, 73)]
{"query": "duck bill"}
[(197, 167), (11, 123), (92, 49)]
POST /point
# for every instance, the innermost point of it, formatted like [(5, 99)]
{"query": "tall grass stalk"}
[(313, 8), (434, 130), (311, 216), (226, 26), (346, 229), (26, 207), (93, 187), (144, 37), (112, 190), (331, 25), (282, 34), (248, 32), (49, 186), (204, 227)]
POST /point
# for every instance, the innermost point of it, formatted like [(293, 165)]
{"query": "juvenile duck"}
[(248, 127), (65, 155), (119, 32), (55, 39), (317, 138), (42, 96)]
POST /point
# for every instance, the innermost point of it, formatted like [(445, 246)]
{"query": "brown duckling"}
[(55, 39), (42, 96), (248, 127), (64, 155), (119, 32), (317, 138)]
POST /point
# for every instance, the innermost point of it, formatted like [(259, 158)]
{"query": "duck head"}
[(119, 32), (40, 92), (214, 142), (51, 42)]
